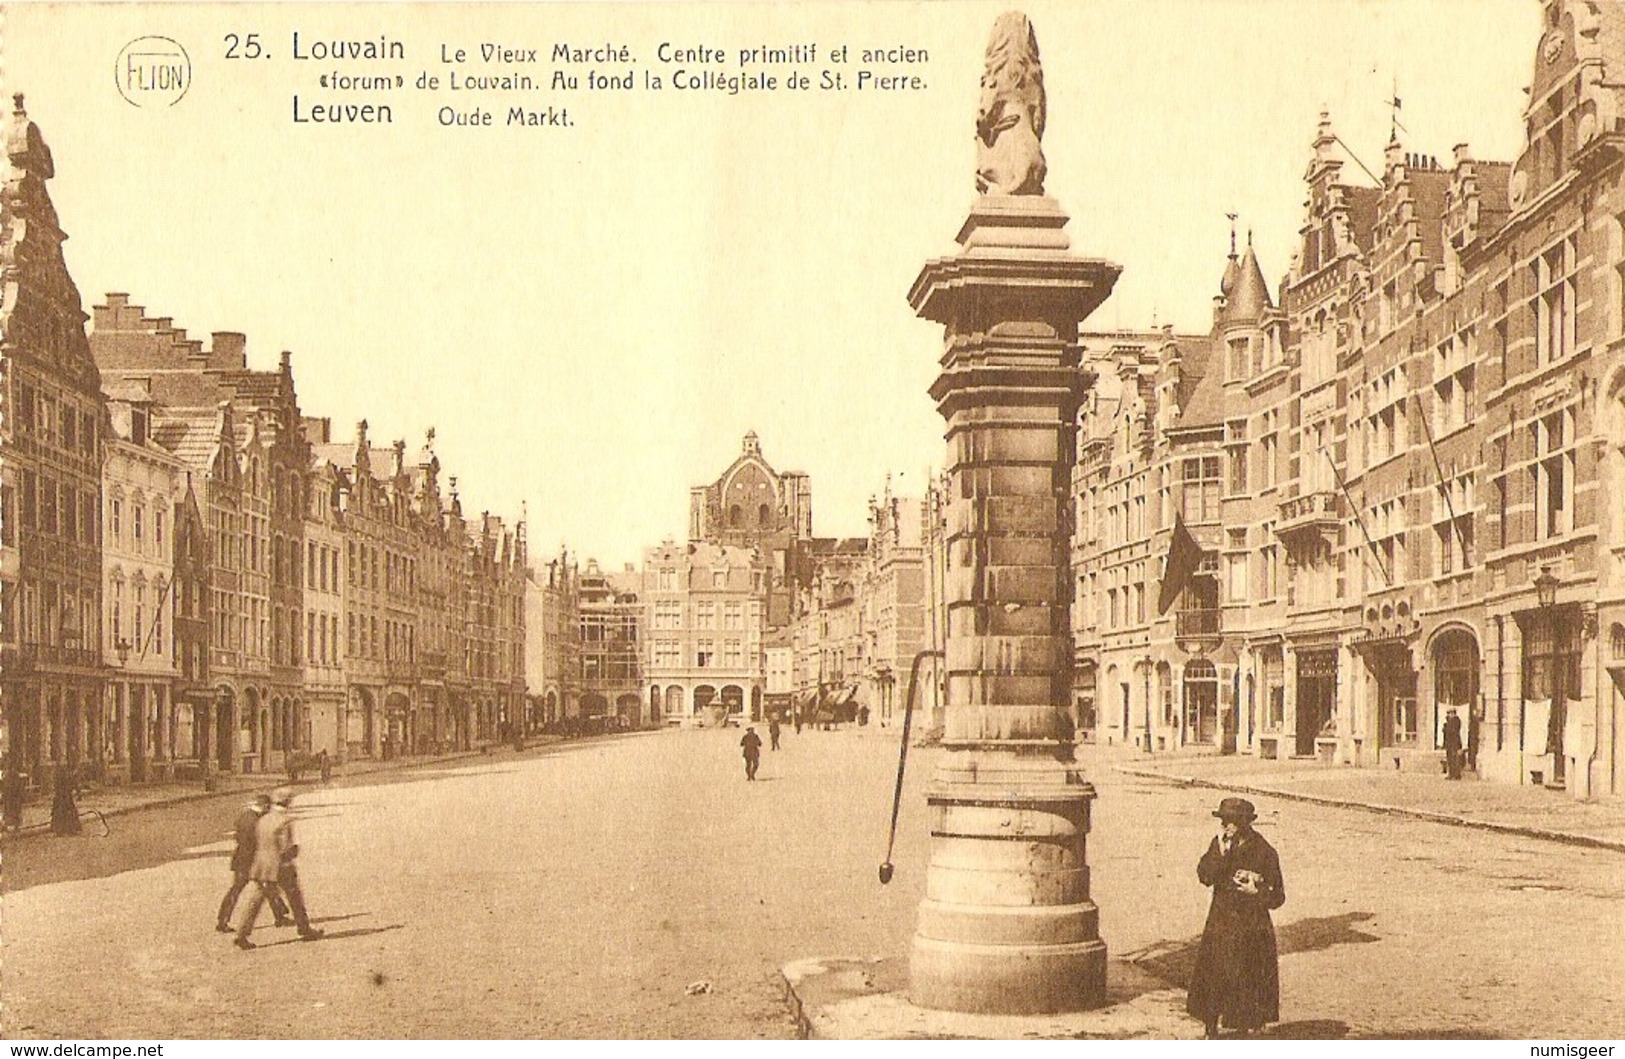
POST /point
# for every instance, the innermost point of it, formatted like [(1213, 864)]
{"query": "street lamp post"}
[(1147, 663)]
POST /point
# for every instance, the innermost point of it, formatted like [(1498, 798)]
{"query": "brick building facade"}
[(1395, 466)]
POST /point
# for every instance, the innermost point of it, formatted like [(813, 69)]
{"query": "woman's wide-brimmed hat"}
[(1236, 809)]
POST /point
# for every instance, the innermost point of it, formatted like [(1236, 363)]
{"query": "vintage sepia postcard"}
[(1072, 519)]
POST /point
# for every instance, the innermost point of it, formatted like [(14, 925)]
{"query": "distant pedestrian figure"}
[(797, 716), (752, 745), (773, 731), (242, 861), (1237, 977), (274, 870), (326, 764), (1452, 744)]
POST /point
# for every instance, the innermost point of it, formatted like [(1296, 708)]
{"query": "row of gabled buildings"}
[(1387, 487), (197, 576)]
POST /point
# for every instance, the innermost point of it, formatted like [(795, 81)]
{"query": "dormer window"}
[(1240, 357)]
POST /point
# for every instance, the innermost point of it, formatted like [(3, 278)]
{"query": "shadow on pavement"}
[(1313, 935), (1171, 962), (1307, 1030), (338, 919), (331, 935)]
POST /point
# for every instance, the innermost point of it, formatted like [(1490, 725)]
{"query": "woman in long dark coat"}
[(1237, 976)]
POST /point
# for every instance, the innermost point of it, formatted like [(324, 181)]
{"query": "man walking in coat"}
[(242, 860), (752, 746), (1452, 744), (274, 870), (1237, 977), (773, 730)]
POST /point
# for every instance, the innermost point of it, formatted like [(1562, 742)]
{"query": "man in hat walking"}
[(242, 861), (1237, 977), (751, 744), (274, 870)]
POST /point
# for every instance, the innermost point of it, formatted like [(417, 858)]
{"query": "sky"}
[(592, 317)]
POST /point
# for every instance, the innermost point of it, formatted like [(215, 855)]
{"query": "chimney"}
[(230, 349)]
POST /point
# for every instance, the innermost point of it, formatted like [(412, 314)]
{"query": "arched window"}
[(764, 516), (736, 517), (1455, 671)]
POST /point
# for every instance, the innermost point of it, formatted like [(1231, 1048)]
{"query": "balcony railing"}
[(1310, 511), (1198, 623)]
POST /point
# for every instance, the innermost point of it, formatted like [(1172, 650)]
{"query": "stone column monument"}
[(1007, 925)]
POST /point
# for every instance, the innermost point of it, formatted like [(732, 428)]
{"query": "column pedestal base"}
[(1007, 926)]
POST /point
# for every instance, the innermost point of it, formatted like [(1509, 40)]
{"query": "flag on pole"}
[(1184, 556)]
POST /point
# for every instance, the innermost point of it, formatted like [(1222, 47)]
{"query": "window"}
[(731, 612), (30, 490), (1554, 303), (1453, 524), (158, 529), (1454, 369), (27, 399), (1274, 691), (139, 633), (1386, 433), (705, 651), (1388, 524), (1236, 479), (668, 614), (1267, 446), (1404, 733), (1199, 497), (48, 497), (705, 614), (1240, 353), (1269, 559), (1551, 667), (1552, 476), (732, 654), (1236, 565)]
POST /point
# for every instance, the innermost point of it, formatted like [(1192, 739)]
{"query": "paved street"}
[(578, 891)]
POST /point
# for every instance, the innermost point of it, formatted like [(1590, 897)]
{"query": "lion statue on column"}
[(1010, 122)]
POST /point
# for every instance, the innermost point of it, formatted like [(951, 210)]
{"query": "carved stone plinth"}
[(1007, 925)]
